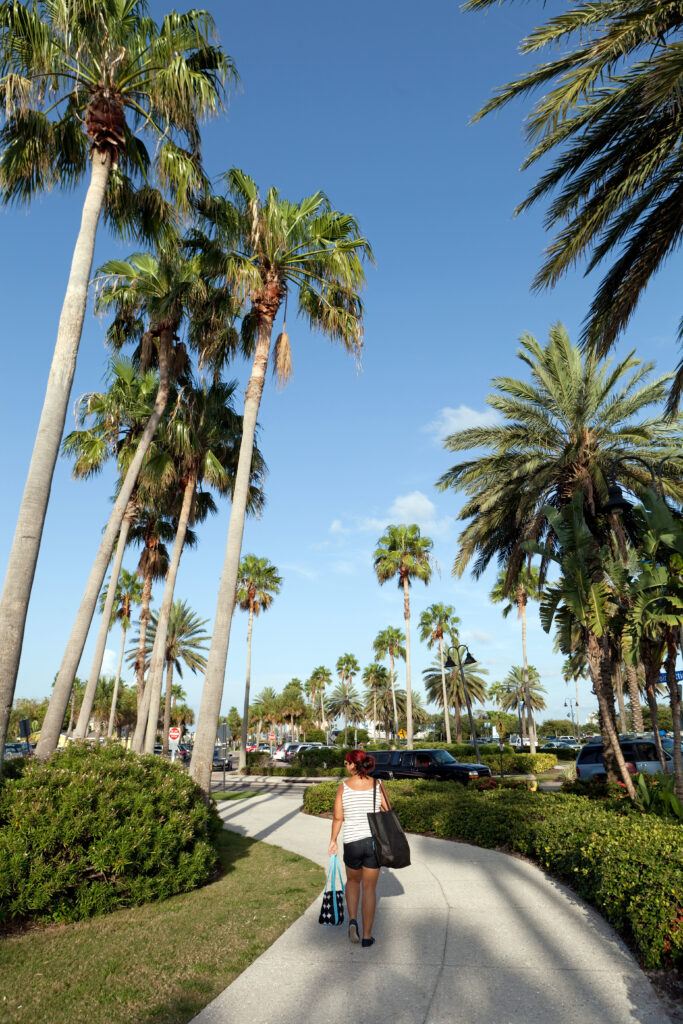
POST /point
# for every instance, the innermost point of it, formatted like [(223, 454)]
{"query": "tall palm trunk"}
[(675, 713), (409, 688), (117, 681), (247, 687), (446, 716), (601, 668), (323, 723), (651, 680), (212, 692), (393, 692), (618, 681), (374, 714), (23, 557), (634, 698), (103, 632), (72, 714), (49, 736), (152, 694), (458, 721), (525, 669), (145, 615), (167, 706)]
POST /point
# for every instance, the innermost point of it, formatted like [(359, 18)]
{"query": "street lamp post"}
[(569, 703), (469, 660)]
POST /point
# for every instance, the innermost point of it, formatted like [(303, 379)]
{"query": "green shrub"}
[(628, 865), (316, 761), (315, 736), (91, 831)]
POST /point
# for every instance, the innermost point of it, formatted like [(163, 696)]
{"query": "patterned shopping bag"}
[(332, 909)]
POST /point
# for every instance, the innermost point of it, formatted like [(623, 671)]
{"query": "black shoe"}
[(367, 942), (354, 935)]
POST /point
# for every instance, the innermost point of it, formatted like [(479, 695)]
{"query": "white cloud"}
[(336, 526), (449, 420), (301, 570), (109, 662), (414, 507)]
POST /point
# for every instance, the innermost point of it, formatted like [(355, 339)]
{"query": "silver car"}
[(640, 754)]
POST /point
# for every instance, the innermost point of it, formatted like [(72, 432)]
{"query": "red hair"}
[(363, 762)]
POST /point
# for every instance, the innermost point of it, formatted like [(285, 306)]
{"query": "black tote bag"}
[(391, 844)]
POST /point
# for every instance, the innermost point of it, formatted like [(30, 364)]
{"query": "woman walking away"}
[(358, 796)]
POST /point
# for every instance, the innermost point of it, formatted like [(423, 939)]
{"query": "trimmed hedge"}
[(629, 866), (94, 830)]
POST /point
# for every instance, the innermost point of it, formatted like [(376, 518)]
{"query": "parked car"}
[(640, 756), (281, 752), (222, 760), (426, 764), (251, 748), (14, 750), (293, 748), (668, 744), (263, 748)]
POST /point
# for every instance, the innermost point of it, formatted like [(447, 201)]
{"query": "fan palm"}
[(434, 622), (261, 250), (153, 530), (200, 448), (266, 708), (390, 643), (292, 705), (258, 583), (403, 554), (375, 679), (516, 593), (345, 702), (151, 296), (81, 82), (579, 425), (455, 693), (127, 594), (609, 118), (185, 644), (522, 692), (387, 698)]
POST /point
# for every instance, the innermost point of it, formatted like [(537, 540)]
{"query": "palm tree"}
[(152, 296), (202, 440), (520, 690), (345, 701), (579, 425), (185, 644), (375, 679), (320, 678), (113, 75), (434, 622), (292, 704), (257, 584), (261, 250), (266, 708), (605, 118), (403, 554), (128, 594), (153, 530), (390, 643), (455, 693), (516, 593), (386, 698)]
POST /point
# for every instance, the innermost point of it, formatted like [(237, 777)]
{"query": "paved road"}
[(464, 936)]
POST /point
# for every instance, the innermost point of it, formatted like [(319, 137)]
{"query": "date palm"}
[(151, 296), (128, 593), (608, 119), (455, 693), (266, 708), (345, 702), (258, 583), (387, 698), (185, 644), (199, 451), (264, 250), (404, 555), (153, 530), (82, 82), (319, 680), (520, 689), (390, 643), (375, 680), (580, 425), (516, 593), (435, 621)]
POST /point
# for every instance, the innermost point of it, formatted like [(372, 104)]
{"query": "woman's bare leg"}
[(354, 876), (370, 879)]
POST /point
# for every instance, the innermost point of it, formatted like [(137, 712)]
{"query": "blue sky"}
[(369, 102)]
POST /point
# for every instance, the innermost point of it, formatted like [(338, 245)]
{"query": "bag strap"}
[(334, 870), (385, 795)]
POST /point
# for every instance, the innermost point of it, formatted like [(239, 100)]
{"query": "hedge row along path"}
[(463, 935)]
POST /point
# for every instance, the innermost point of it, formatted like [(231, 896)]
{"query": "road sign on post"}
[(173, 740)]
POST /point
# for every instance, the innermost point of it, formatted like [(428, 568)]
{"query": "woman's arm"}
[(337, 820)]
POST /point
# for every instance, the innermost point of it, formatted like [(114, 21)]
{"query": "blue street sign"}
[(679, 676)]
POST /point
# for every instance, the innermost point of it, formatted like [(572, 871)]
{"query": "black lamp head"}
[(470, 659), (449, 663)]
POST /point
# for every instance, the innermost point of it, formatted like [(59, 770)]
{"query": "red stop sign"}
[(174, 733)]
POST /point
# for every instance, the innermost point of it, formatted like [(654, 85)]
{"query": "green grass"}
[(230, 794), (159, 963)]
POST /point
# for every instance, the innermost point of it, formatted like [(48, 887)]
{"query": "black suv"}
[(425, 764)]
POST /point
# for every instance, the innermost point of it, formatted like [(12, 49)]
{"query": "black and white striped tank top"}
[(357, 805)]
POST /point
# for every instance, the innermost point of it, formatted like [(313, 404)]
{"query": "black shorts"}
[(361, 854)]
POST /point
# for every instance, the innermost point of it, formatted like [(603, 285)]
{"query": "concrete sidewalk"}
[(464, 936)]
